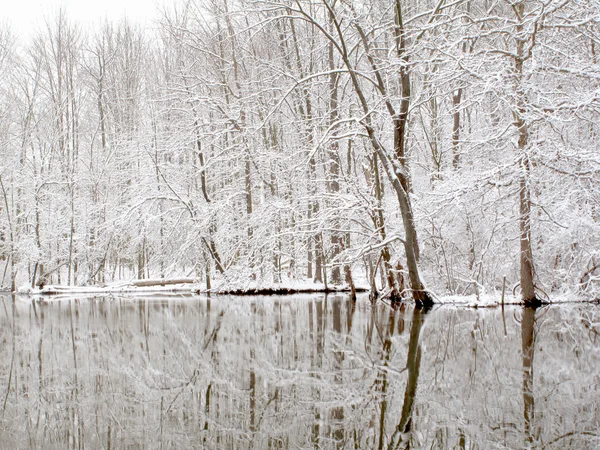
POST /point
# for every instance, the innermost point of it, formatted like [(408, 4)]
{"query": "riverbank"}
[(191, 287)]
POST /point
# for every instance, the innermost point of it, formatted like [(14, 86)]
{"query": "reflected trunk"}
[(337, 413), (528, 348), (382, 376), (402, 434)]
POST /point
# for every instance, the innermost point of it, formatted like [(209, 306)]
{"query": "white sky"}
[(26, 15)]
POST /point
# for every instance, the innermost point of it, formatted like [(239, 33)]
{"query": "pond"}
[(296, 372)]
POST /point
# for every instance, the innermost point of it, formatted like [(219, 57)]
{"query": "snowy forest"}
[(410, 146)]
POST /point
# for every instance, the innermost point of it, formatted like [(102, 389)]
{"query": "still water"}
[(296, 372)]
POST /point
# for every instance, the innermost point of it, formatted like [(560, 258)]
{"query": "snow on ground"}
[(483, 300), (495, 299), (169, 286)]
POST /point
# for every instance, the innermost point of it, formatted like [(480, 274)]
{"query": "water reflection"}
[(528, 349), (295, 372)]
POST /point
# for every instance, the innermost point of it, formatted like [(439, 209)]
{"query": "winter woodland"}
[(411, 146)]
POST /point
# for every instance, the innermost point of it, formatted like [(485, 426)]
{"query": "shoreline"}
[(170, 289)]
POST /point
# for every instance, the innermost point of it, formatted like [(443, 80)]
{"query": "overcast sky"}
[(25, 15)]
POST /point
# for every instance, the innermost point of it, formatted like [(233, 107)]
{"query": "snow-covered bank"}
[(495, 299), (188, 287)]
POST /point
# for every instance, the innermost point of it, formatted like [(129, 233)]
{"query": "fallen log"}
[(117, 287), (163, 282)]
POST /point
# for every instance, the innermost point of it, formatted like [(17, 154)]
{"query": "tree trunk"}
[(380, 226), (526, 253), (456, 99), (333, 182)]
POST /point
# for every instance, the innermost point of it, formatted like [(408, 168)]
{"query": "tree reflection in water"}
[(295, 372), (528, 347)]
